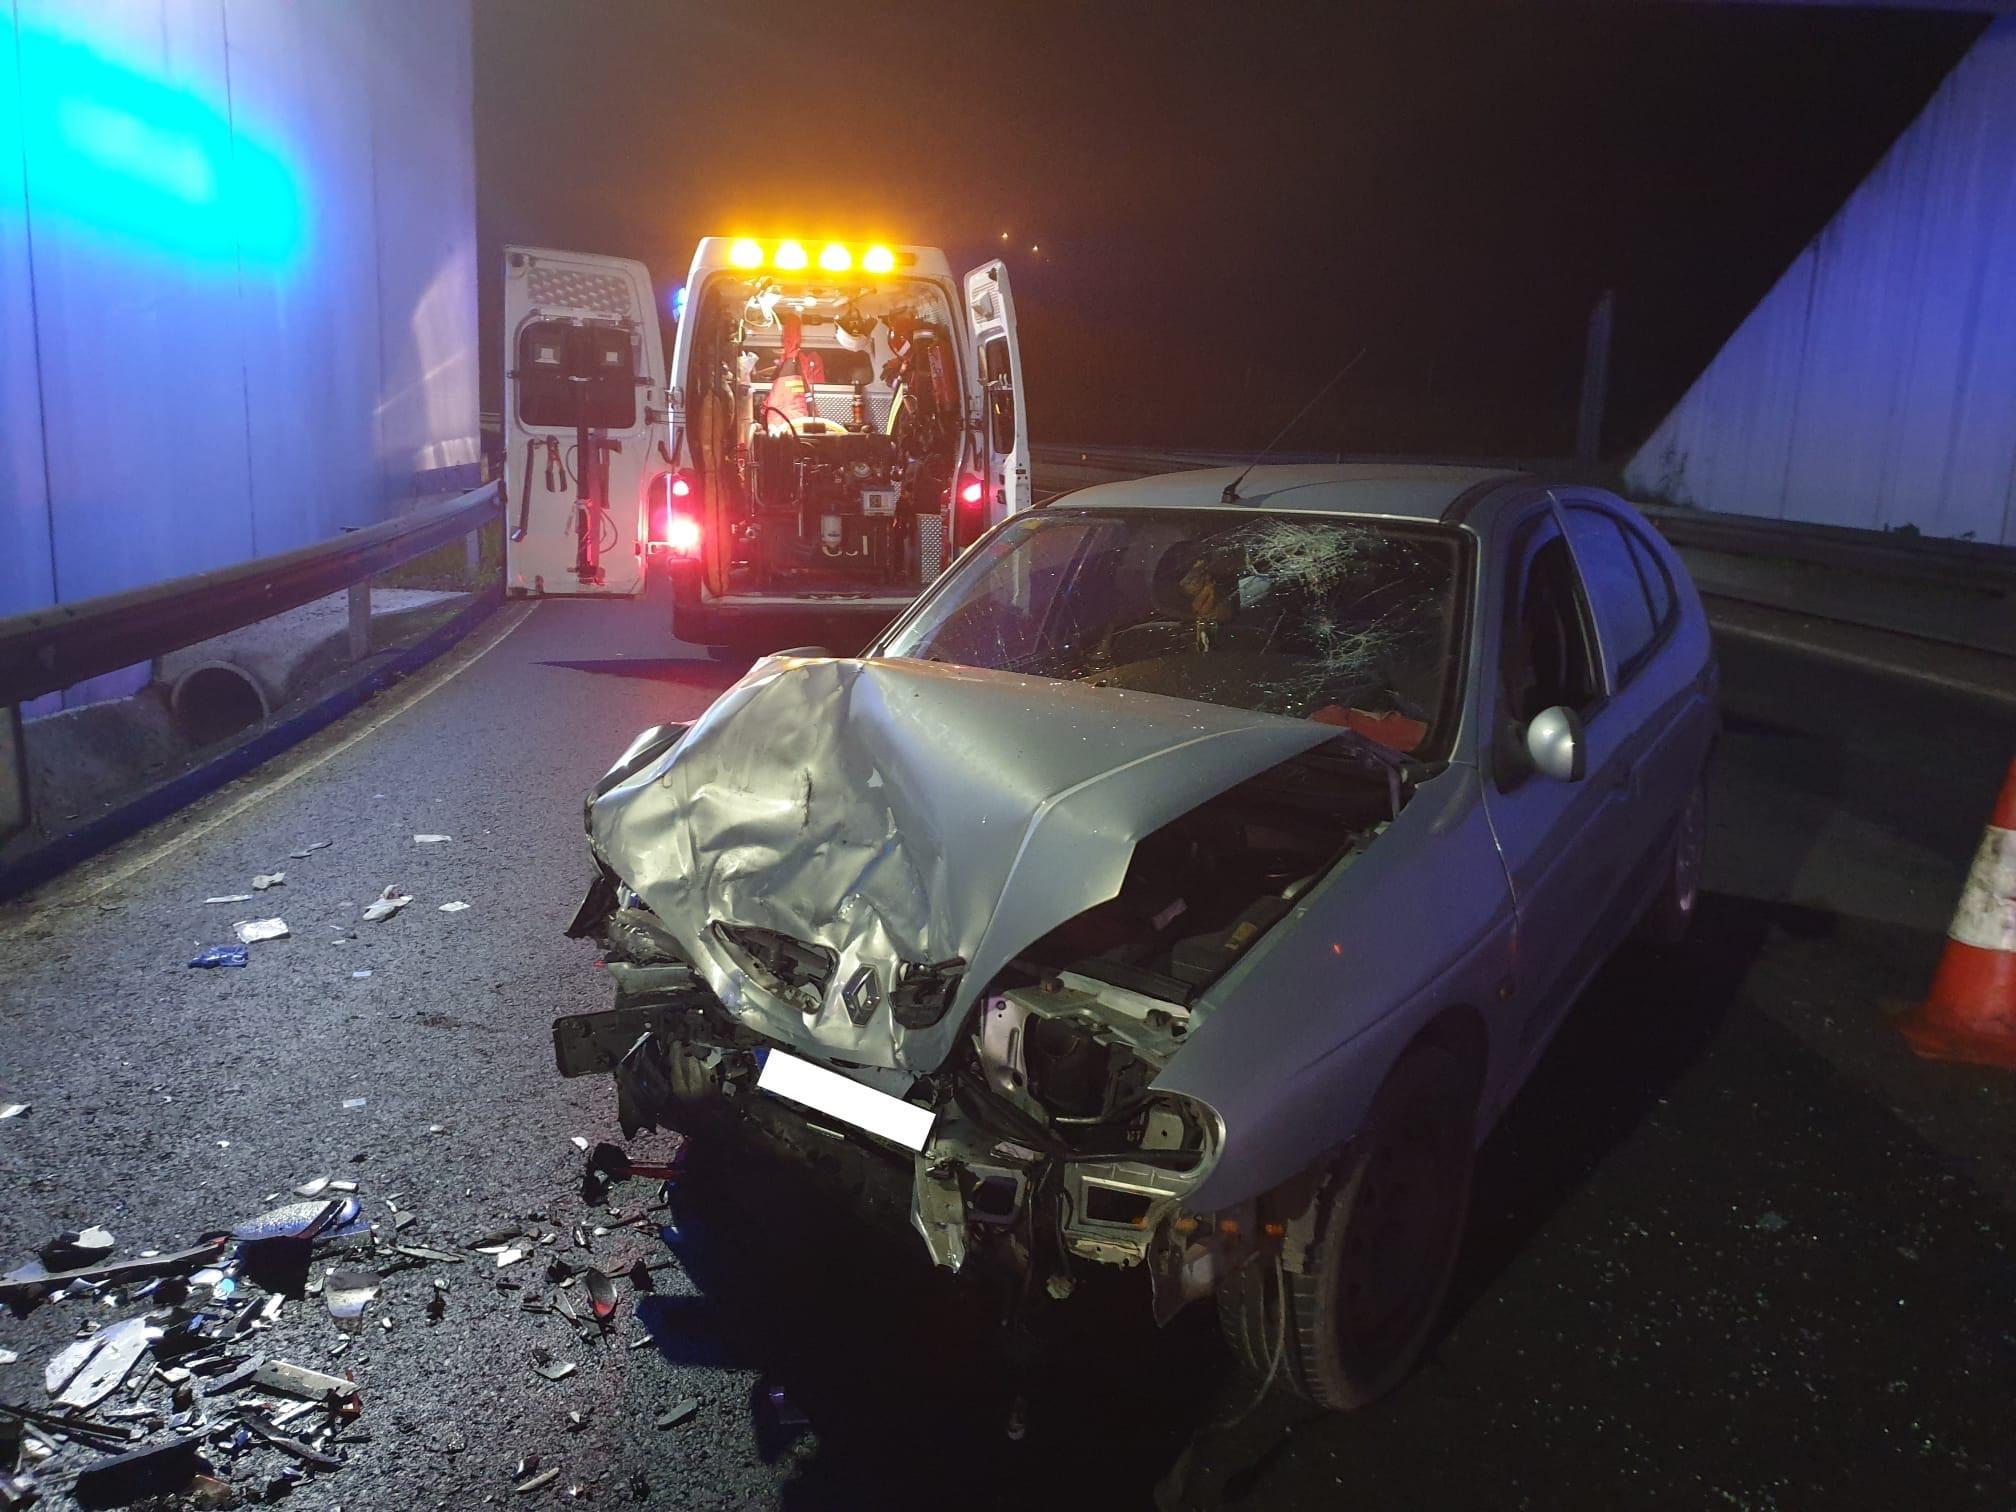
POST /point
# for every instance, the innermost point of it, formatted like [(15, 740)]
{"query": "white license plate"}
[(844, 1098)]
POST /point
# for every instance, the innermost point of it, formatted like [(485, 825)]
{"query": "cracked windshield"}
[(1348, 622)]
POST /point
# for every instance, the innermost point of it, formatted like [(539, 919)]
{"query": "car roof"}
[(1405, 490)]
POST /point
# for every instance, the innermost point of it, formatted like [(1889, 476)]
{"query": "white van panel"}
[(562, 291)]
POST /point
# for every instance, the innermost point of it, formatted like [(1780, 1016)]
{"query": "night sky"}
[(1232, 200)]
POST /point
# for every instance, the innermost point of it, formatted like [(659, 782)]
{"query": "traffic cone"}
[(1970, 1013)]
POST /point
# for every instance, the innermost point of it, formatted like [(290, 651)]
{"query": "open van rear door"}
[(990, 310), (584, 419)]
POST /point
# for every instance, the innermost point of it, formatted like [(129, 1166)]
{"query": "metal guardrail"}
[(1890, 554), (47, 650)]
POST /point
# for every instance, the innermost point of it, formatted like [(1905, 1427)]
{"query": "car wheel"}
[(1672, 911), (1389, 1223)]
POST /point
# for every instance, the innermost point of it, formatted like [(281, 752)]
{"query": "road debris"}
[(432, 839), (354, 1103), (222, 955), (252, 931), (269, 879), (116, 1350), (78, 1249), (230, 898), (557, 1370), (347, 1293), (358, 976), (14, 1110), (155, 1470), (539, 1481), (300, 1381), (455, 907), (314, 1187), (678, 1412), (386, 904), (601, 1295)]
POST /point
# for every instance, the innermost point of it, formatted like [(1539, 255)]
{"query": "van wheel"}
[(1389, 1225), (1672, 912)]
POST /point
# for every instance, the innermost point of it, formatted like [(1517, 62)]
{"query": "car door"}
[(1656, 761), (1566, 844), (990, 313)]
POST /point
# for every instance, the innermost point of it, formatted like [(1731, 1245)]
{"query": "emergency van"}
[(838, 421)]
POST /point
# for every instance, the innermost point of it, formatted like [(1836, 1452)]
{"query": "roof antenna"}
[(1231, 494)]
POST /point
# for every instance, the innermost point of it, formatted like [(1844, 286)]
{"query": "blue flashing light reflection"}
[(679, 303), (118, 156)]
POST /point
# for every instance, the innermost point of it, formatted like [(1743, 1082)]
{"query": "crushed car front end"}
[(939, 921)]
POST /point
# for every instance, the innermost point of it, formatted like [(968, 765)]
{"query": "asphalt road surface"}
[(1733, 1247)]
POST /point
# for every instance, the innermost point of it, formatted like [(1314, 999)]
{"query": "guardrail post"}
[(472, 553), (360, 619), (13, 774)]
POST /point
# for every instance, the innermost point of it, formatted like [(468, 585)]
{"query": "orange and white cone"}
[(1970, 1013)]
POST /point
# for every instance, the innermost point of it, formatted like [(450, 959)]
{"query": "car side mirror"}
[(1556, 744)]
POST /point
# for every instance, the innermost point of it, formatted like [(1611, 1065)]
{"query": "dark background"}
[(1231, 201)]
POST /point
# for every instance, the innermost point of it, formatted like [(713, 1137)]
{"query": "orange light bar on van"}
[(835, 258), (745, 254), (878, 260), (790, 255)]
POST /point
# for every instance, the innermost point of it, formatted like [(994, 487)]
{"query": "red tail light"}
[(682, 535), (682, 485), (971, 490)]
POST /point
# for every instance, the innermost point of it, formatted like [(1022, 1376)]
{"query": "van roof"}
[(911, 262), (1413, 491)]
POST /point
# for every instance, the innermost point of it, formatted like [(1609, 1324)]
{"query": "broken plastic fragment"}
[(509, 1257), (455, 907), (299, 1380), (386, 904), (348, 1292), (431, 839), (424, 1252), (601, 1294), (77, 1250), (542, 1479), (252, 931), (118, 1349), (222, 955), (268, 879), (313, 1187), (358, 976), (678, 1412), (13, 1110), (155, 1470), (354, 1103), (230, 898), (556, 1370), (65, 1363)]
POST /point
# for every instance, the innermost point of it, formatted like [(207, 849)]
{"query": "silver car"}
[(1187, 881)]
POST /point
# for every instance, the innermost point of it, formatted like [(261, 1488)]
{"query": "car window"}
[(1351, 622), (1616, 591), (1652, 572), (1546, 658)]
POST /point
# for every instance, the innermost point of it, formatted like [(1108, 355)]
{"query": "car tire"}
[(1348, 1328), (1667, 921)]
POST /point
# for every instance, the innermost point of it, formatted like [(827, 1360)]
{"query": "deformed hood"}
[(897, 812)]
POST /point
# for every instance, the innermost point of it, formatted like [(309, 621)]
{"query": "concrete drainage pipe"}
[(215, 700)]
